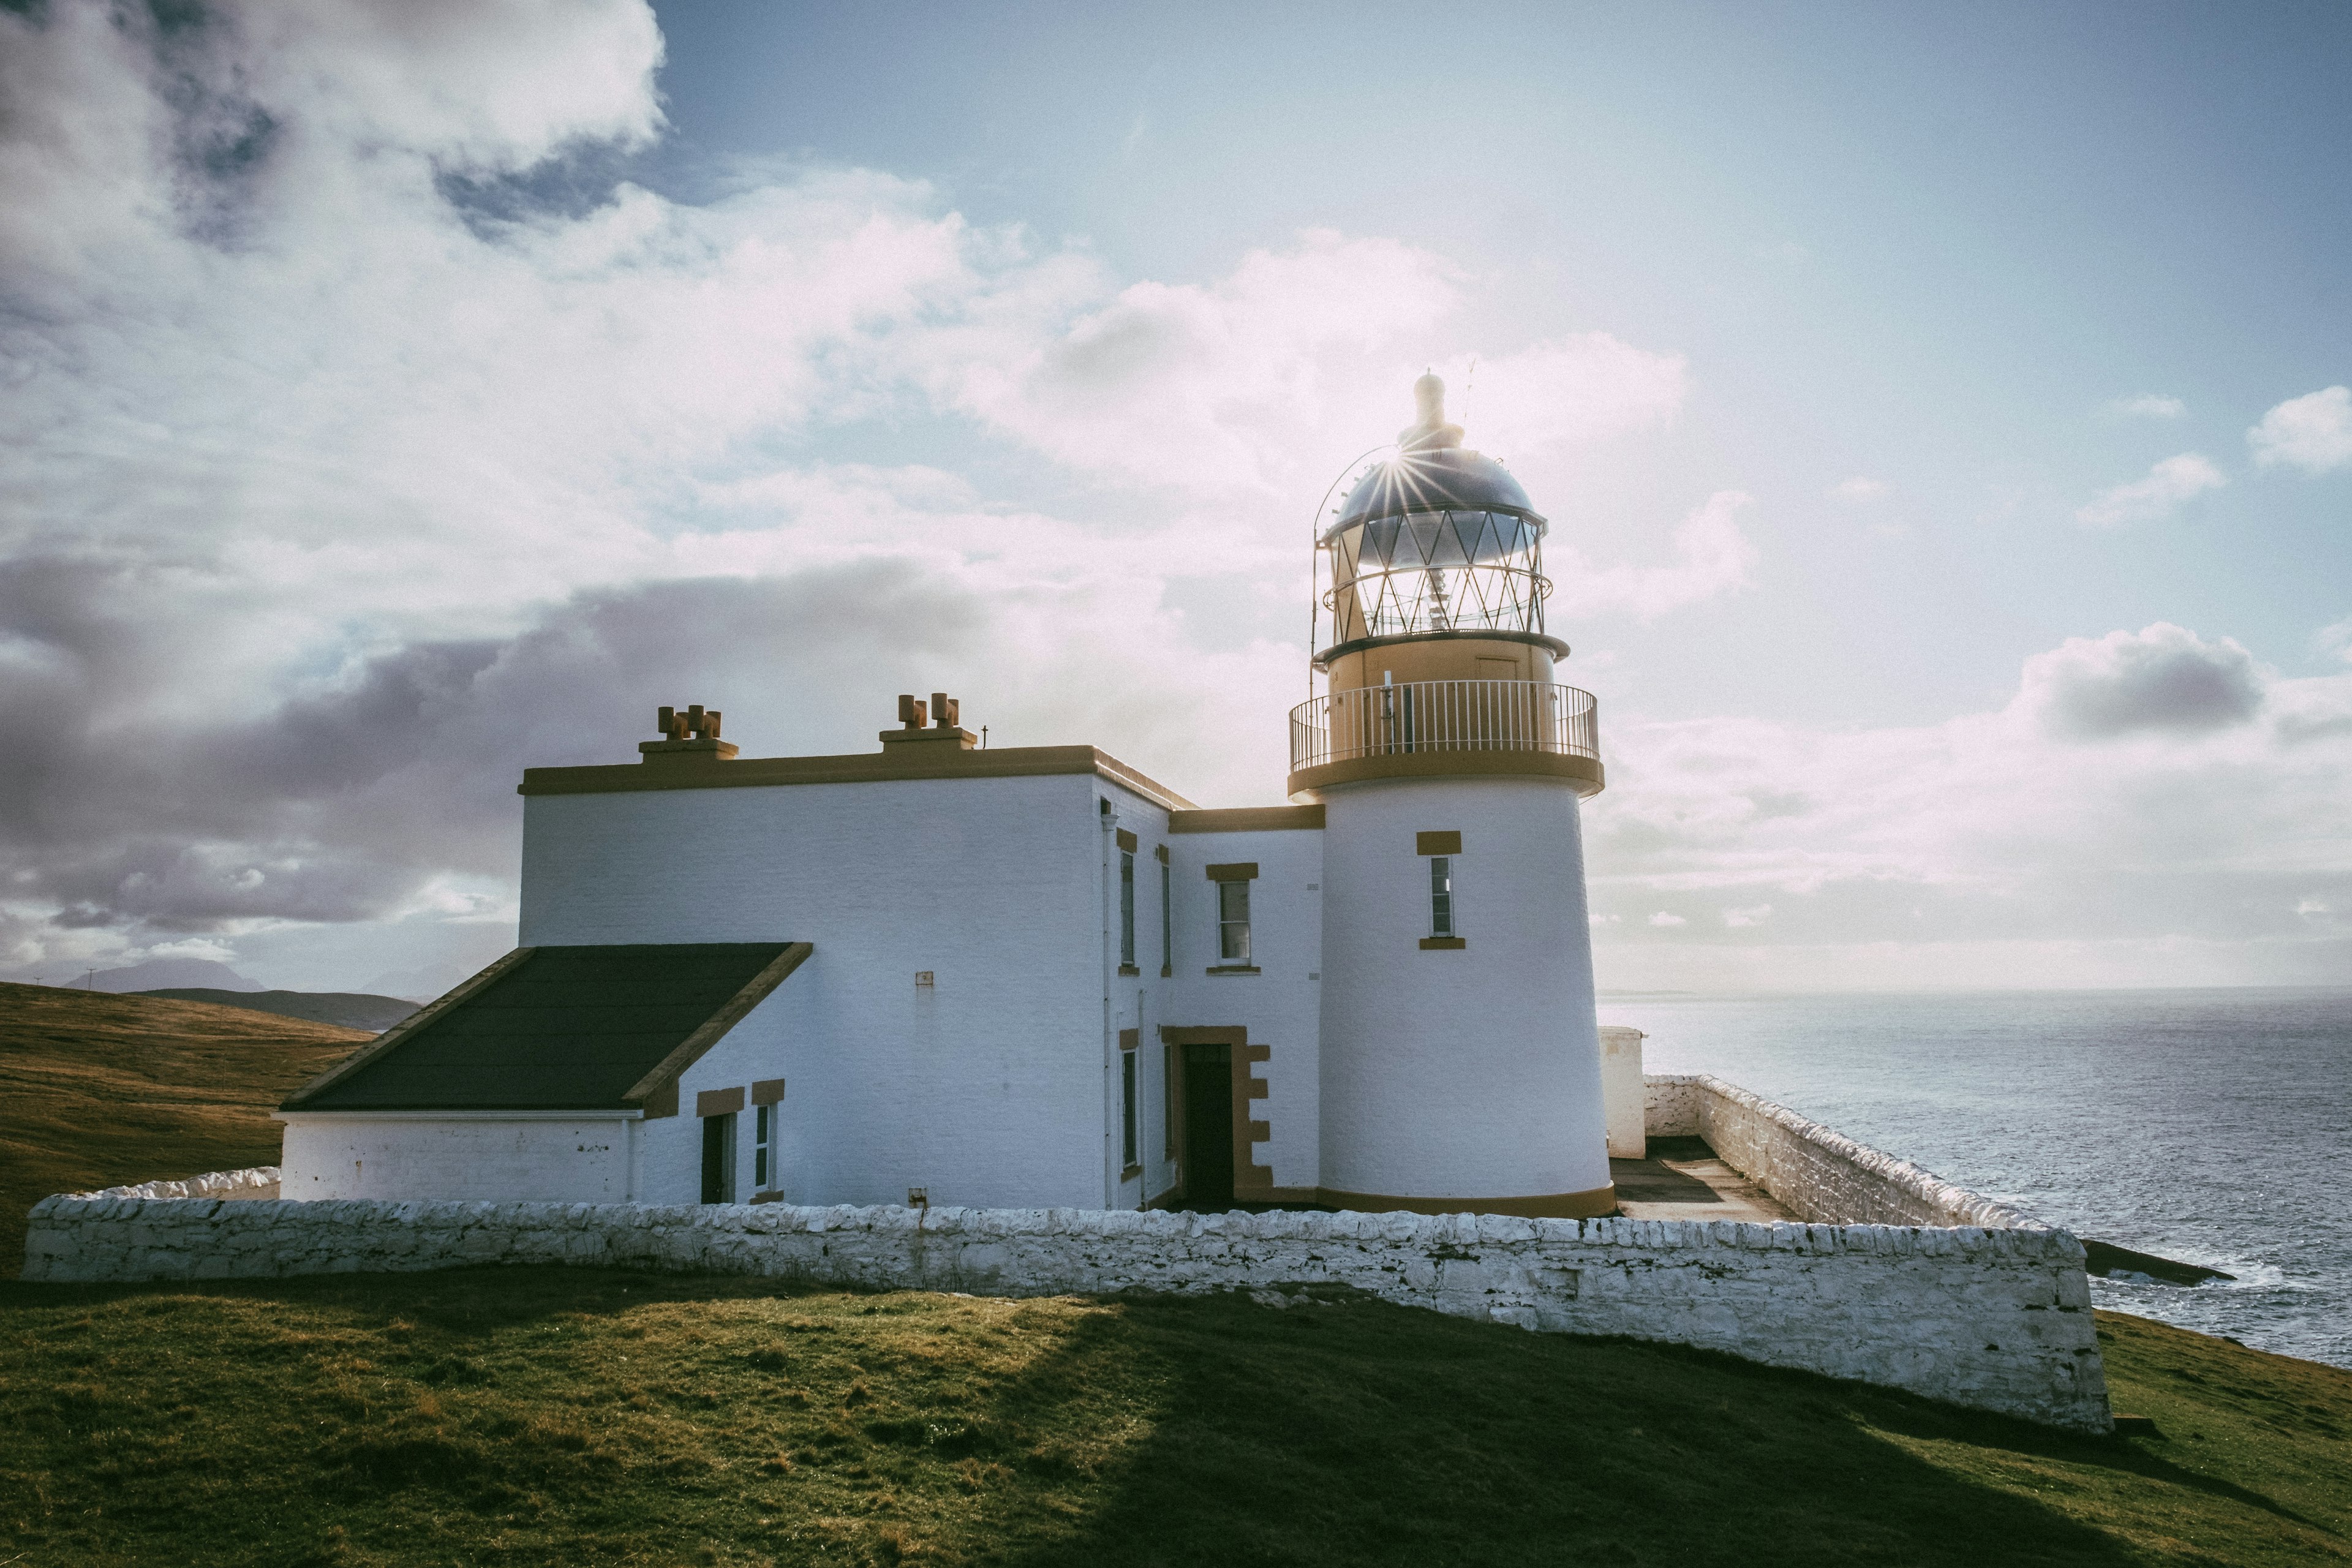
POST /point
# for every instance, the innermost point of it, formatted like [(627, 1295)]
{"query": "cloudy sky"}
[(1942, 414)]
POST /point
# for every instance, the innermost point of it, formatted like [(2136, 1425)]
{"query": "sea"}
[(2210, 1126)]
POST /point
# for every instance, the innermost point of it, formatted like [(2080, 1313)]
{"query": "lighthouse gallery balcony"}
[(1445, 728)]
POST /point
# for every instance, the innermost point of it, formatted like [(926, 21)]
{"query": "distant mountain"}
[(423, 983), (347, 1009), (159, 973)]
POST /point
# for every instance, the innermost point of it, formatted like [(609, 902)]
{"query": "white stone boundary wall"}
[(1820, 1175), (1996, 1320), (252, 1183), (1670, 1105)]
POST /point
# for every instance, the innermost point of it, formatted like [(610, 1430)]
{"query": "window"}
[(1233, 949), (1440, 895), (1233, 923), (763, 1149), (1126, 910), (1167, 921), (1127, 1139), (718, 1159)]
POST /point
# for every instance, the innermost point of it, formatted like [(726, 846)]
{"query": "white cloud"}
[(1713, 556), (350, 460), (1861, 491), (2312, 432), (341, 475), (2148, 405), (1998, 848), (1753, 915), (2161, 679), (2335, 639), (192, 947), (2168, 485), (1271, 378), (1565, 392), (1210, 388)]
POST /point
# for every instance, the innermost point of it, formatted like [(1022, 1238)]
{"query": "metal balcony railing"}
[(1443, 716)]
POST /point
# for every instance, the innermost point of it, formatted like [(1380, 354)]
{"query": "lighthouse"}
[(1459, 1061), (1031, 975)]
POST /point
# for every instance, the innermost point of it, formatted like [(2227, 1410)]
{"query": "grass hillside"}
[(535, 1415), (352, 1009), (98, 1089), (528, 1416)]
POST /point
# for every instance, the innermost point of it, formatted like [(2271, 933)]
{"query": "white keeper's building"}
[(1032, 976)]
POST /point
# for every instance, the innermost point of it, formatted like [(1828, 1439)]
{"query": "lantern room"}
[(1436, 561)]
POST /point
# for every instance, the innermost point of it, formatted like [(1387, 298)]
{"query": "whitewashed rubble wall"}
[(255, 1182), (1997, 1319), (1670, 1105), (1819, 1175)]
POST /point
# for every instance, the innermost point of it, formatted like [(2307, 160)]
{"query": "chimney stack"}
[(687, 736), (938, 723)]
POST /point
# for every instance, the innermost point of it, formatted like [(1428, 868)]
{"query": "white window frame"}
[(1126, 908), (1130, 1113), (1225, 924), (1167, 916)]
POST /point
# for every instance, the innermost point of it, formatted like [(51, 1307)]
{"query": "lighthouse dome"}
[(1437, 479), (1434, 473)]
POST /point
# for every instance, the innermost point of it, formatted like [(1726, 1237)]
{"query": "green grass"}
[(99, 1090), (546, 1415)]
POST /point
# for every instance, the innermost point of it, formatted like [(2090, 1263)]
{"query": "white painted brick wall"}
[(1472, 1072), (577, 1159), (986, 1086), (1280, 1005)]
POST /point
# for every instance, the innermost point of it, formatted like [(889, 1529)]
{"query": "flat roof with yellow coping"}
[(706, 770)]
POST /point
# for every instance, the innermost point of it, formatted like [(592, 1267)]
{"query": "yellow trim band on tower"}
[(1584, 775)]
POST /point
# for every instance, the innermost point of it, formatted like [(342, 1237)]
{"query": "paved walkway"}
[(1682, 1179)]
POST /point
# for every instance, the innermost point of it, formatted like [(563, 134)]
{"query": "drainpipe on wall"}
[(1107, 820)]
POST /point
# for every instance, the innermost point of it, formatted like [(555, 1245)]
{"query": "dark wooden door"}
[(1209, 1128), (718, 1159)]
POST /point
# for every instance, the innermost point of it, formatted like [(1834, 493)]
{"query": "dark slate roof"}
[(559, 1028)]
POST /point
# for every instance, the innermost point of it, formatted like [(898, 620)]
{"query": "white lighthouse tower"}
[(1459, 1062)]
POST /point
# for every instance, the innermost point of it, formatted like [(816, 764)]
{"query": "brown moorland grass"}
[(97, 1090), (544, 1415)]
